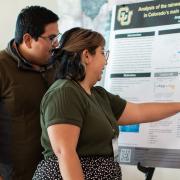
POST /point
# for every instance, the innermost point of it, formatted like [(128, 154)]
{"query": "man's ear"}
[(27, 40), (86, 56)]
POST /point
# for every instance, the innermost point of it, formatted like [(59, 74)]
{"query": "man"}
[(26, 72)]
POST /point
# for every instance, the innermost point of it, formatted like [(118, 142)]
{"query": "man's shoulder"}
[(4, 56), (3, 53)]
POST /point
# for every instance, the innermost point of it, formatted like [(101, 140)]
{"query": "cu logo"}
[(124, 16)]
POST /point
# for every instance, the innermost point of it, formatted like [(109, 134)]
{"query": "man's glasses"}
[(54, 39), (106, 54)]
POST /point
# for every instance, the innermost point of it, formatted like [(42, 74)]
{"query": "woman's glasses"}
[(106, 54)]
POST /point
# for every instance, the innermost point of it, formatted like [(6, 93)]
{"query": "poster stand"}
[(148, 171)]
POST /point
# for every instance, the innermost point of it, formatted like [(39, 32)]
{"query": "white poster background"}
[(160, 56)]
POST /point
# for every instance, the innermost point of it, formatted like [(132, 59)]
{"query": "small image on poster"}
[(130, 128)]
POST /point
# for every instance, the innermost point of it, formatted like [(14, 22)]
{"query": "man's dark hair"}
[(33, 20)]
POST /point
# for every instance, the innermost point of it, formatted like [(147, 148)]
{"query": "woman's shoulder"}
[(63, 89), (62, 85), (63, 92), (57, 88)]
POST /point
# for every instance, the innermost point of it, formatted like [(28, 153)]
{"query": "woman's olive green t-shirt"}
[(66, 102)]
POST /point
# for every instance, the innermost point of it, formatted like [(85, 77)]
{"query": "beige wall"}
[(9, 10)]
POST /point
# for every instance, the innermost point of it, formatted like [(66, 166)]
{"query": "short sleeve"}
[(63, 106), (117, 103)]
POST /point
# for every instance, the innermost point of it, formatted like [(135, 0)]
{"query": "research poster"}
[(144, 66)]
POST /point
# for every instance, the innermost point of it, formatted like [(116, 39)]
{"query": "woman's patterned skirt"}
[(94, 168)]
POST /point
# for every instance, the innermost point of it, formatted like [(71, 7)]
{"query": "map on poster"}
[(92, 8), (144, 66), (97, 16)]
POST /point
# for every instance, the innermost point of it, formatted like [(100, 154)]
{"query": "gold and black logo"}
[(124, 16)]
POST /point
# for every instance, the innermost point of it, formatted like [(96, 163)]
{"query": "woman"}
[(79, 121)]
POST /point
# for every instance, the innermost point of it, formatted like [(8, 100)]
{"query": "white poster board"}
[(144, 66)]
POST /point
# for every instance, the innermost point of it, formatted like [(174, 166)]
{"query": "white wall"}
[(9, 10)]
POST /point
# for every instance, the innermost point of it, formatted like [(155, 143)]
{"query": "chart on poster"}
[(144, 66)]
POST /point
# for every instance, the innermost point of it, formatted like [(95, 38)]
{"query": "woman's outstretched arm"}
[(147, 112)]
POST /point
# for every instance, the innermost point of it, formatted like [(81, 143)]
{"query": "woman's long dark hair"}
[(72, 44)]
